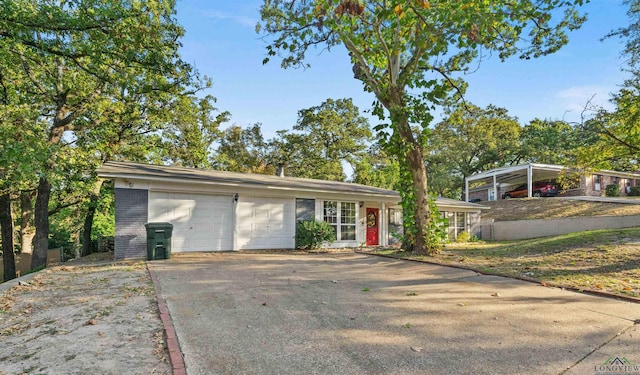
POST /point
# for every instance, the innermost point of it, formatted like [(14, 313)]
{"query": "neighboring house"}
[(221, 211), (490, 185)]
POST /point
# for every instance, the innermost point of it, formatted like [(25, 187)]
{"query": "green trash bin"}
[(159, 240)]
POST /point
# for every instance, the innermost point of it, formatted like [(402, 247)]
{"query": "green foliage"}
[(469, 140), (463, 236), (191, 132), (311, 234), (377, 168), (548, 142), (82, 82), (437, 233), (635, 191), (325, 137), (615, 135), (64, 232), (104, 222), (242, 150), (612, 190)]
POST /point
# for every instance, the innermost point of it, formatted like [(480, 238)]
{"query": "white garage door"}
[(201, 222), (266, 223)]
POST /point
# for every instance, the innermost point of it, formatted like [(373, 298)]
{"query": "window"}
[(457, 222), (597, 182), (460, 222), (305, 209), (342, 217), (331, 215)]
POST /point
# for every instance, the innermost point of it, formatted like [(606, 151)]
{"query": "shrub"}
[(635, 191), (612, 190), (310, 234), (463, 237)]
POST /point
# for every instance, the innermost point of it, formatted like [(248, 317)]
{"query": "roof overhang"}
[(517, 174), (170, 174)]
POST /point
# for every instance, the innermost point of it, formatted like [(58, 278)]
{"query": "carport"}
[(518, 174)]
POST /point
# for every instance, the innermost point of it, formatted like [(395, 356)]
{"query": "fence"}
[(23, 261), (524, 229)]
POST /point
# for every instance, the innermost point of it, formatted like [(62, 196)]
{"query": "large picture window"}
[(342, 217)]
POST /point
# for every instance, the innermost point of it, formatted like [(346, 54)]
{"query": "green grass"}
[(602, 260)]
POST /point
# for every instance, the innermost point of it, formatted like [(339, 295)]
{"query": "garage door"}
[(201, 222), (266, 223)]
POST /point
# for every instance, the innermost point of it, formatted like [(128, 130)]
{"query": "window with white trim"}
[(342, 217), (597, 182)]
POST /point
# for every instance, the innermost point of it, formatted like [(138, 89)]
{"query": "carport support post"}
[(529, 180), (466, 189), (495, 189), (384, 225)]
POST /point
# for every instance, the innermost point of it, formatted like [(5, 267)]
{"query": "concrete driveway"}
[(346, 313)]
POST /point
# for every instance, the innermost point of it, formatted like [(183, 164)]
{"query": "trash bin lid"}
[(158, 225)]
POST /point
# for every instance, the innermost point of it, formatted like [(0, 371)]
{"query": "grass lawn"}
[(603, 260)]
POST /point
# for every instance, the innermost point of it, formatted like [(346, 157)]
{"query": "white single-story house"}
[(223, 211)]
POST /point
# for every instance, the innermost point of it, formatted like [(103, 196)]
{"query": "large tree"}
[(242, 150), (20, 141), (377, 168), (471, 140), (407, 53), (71, 56), (548, 142), (192, 130), (611, 138), (325, 137)]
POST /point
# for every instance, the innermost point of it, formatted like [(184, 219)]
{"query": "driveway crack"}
[(637, 321)]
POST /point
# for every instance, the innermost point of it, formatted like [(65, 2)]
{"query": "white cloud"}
[(582, 96), (241, 20), (582, 100)]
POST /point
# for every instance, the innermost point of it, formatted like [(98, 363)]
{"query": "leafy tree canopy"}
[(467, 141), (325, 137), (548, 142), (613, 137), (242, 150)]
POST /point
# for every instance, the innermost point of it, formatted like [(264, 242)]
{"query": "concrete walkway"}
[(351, 313)]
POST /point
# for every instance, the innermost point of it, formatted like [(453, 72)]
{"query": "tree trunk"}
[(88, 219), (419, 180), (41, 239), (6, 227), (27, 231), (411, 151)]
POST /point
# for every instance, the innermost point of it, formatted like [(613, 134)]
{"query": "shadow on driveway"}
[(245, 313)]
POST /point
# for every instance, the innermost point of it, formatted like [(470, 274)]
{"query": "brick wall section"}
[(131, 216), (480, 194)]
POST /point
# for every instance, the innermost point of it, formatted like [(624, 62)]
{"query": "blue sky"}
[(221, 42)]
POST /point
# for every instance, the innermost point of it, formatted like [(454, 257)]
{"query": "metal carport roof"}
[(517, 174)]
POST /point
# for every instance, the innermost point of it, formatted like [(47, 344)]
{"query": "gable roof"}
[(112, 169)]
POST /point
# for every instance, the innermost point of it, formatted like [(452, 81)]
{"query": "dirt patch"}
[(83, 320), (552, 208)]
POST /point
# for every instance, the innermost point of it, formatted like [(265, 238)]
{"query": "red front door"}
[(372, 226)]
